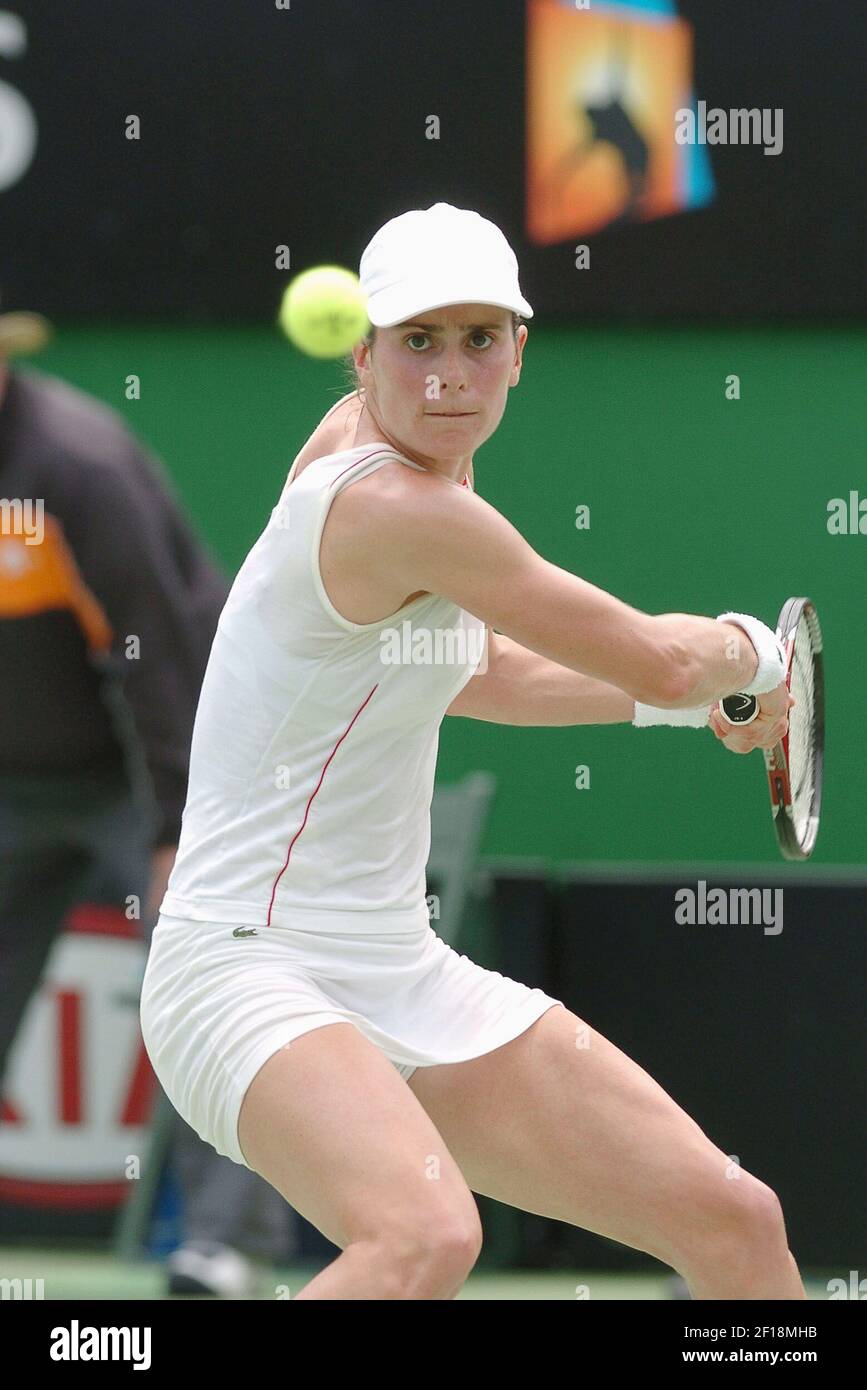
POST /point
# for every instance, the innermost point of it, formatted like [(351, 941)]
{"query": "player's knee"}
[(737, 1219), (763, 1223), (459, 1244), (428, 1253), (753, 1213)]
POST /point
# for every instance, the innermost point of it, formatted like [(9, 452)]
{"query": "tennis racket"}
[(794, 765)]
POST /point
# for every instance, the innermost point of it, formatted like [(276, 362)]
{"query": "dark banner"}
[(726, 1007), (646, 159)]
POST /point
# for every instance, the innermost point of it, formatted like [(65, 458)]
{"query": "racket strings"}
[(801, 739)]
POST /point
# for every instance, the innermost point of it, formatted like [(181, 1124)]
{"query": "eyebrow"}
[(440, 328)]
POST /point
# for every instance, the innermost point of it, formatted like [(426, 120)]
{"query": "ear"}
[(520, 339), (361, 356)]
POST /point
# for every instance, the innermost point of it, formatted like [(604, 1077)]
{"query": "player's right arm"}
[(449, 541)]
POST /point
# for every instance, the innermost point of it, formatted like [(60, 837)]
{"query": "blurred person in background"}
[(95, 552)]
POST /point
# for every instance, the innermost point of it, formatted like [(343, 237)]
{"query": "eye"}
[(425, 337)]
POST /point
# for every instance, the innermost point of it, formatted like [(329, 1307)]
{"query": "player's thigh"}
[(561, 1122), (331, 1124)]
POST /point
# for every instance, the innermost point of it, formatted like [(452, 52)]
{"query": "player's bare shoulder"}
[(393, 504), (369, 523)]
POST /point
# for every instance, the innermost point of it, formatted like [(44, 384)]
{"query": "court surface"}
[(77, 1274)]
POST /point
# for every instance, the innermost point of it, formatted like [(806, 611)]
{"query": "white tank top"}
[(315, 741)]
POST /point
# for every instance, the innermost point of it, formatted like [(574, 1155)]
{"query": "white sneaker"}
[(200, 1268)]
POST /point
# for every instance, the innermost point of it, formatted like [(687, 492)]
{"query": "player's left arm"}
[(520, 687)]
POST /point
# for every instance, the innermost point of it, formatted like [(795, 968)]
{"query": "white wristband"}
[(648, 715), (771, 670)]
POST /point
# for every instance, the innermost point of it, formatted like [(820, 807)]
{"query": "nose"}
[(453, 375)]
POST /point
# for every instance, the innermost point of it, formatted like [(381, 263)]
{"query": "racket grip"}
[(739, 709)]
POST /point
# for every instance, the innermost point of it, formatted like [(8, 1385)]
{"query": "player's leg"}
[(560, 1122), (329, 1122)]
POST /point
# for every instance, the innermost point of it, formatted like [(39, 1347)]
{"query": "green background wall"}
[(698, 504)]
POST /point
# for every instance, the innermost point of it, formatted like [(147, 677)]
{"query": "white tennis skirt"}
[(216, 1004)]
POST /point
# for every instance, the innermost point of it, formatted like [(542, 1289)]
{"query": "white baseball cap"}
[(428, 259)]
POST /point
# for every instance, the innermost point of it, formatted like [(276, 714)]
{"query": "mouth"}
[(450, 414)]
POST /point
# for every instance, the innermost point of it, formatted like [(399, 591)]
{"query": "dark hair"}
[(370, 338)]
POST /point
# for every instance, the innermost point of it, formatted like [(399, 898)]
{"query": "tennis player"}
[(298, 1007)]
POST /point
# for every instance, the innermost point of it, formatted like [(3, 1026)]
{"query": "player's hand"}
[(769, 726)]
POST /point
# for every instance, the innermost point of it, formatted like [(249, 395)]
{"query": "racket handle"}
[(739, 709)]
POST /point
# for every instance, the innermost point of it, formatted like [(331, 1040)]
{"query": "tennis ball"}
[(324, 311)]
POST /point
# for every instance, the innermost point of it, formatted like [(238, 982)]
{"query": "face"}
[(437, 384)]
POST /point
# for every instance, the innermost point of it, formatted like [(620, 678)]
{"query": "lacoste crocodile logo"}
[(245, 931)]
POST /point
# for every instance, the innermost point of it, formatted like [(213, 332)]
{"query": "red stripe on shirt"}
[(310, 800)]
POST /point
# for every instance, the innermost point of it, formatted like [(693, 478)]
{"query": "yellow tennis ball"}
[(324, 311)]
